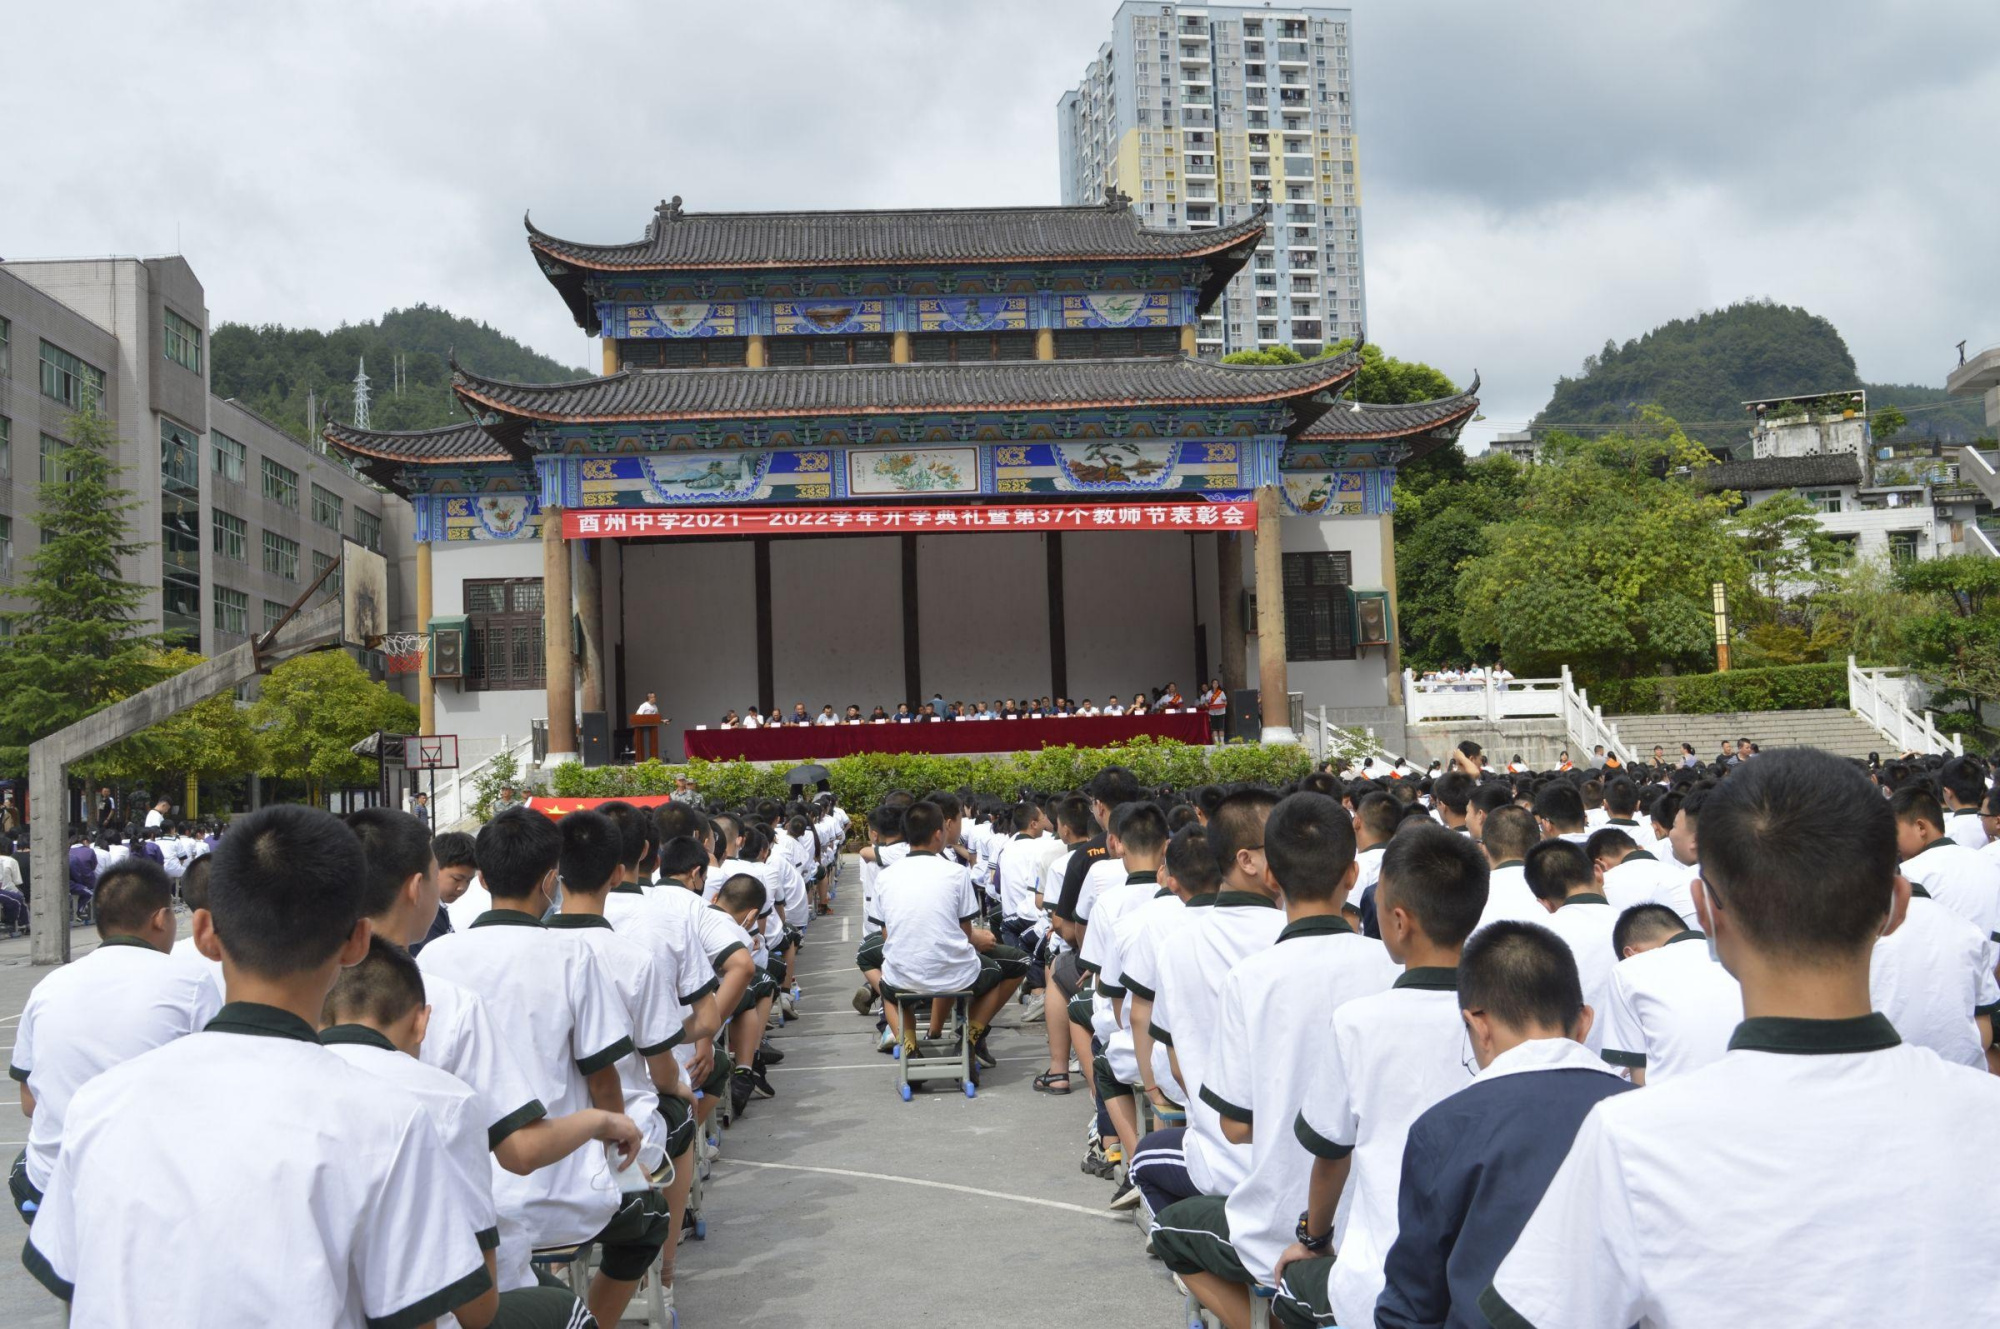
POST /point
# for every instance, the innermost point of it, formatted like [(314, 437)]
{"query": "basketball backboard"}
[(364, 595), (430, 752)]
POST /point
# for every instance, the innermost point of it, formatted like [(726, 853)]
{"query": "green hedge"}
[(1809, 687), (859, 782)]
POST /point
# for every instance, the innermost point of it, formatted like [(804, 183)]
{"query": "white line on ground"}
[(929, 1185), (886, 1065), (845, 924)]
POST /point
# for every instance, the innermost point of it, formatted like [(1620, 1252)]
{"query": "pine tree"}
[(79, 645)]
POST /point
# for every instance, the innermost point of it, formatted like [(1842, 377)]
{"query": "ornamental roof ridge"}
[(1351, 420)]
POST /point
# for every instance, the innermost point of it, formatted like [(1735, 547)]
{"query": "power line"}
[(1696, 424)]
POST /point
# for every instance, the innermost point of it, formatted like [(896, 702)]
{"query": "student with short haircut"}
[(1452, 797), (1962, 786), (128, 996), (1376, 817), (554, 1006), (374, 1020), (1671, 1007), (1509, 835), (1189, 875), (1275, 1007), (683, 872), (1390, 1058), (1933, 979), (667, 924), (1475, 1165), (1481, 803), (1179, 1163), (194, 894), (1741, 1193), (1559, 809), (1962, 880), (1628, 875), (459, 891), (245, 1171), (1644, 927)]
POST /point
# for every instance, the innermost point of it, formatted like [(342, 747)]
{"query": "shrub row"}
[(859, 782), (1807, 687)]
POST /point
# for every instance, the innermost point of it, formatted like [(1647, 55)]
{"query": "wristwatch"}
[(1317, 1245)]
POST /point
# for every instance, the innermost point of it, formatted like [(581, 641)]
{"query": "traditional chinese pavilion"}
[(873, 456)]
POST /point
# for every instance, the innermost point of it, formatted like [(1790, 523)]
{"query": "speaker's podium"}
[(645, 737)]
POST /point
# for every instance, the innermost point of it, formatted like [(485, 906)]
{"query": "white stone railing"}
[(1882, 697), (1489, 702), (457, 791)]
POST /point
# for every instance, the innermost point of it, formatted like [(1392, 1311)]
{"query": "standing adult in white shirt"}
[(650, 706), (1687, 1197)]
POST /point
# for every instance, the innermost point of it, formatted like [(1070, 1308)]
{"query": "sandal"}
[(1046, 1083)]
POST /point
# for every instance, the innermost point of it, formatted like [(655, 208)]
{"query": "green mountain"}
[(1700, 370), (270, 368)]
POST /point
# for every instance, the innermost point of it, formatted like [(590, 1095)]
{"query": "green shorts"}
[(680, 1124), (869, 958), (761, 988), (1192, 1237), (631, 1241), (539, 1308), (1080, 1006), (991, 976), (718, 1079), (1302, 1301), (1109, 1085), (26, 1198)]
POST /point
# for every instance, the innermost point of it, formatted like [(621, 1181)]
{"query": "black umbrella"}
[(811, 773)]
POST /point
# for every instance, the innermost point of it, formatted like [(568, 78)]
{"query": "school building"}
[(872, 456)]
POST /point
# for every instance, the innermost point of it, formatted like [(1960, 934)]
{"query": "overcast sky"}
[(1536, 177)]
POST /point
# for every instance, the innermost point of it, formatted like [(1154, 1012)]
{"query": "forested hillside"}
[(270, 369), (1700, 370)]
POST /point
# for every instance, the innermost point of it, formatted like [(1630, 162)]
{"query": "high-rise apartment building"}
[(1199, 113)]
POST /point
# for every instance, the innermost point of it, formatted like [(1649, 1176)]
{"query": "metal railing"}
[(1326, 739), (1882, 698), (1491, 701)]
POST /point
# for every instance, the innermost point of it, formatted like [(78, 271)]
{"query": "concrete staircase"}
[(1838, 731)]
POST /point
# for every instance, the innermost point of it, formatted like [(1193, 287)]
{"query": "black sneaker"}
[(740, 1090), (770, 1056), (1125, 1197), (981, 1055), (759, 1085)]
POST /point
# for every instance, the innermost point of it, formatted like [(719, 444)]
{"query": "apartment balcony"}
[(1291, 97)]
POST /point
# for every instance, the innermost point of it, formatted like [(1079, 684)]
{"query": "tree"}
[(79, 645), (1443, 510), (1886, 423), (1955, 646), (1276, 355), (210, 740), (1608, 561), (1384, 380), (313, 709)]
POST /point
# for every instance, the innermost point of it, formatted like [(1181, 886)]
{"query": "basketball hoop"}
[(404, 652)]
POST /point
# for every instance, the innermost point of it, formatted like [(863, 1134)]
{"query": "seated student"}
[(1179, 1163), (374, 1021), (1565, 881), (683, 872), (1391, 1057), (1676, 890), (1476, 1164), (1962, 880), (1933, 978), (1671, 1006), (648, 983), (555, 1008), (1962, 789), (737, 914), (1376, 817), (1507, 836), (1481, 802), (1024, 859), (460, 896), (1798, 858), (128, 996), (1560, 813), (925, 907), (194, 894), (1274, 1008), (1190, 881), (251, 1140), (1629, 875)]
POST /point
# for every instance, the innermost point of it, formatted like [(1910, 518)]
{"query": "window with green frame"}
[(232, 611), (6, 547), (6, 448), (281, 484), (326, 507), (52, 451), (281, 556), (71, 381), (226, 455), (183, 342), (6, 347), (321, 562), (273, 611), (231, 538), (368, 530)]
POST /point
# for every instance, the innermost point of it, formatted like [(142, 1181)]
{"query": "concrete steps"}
[(1837, 731)]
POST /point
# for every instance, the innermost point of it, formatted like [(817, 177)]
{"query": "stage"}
[(945, 737)]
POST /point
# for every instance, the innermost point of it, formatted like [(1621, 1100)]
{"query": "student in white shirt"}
[(718, 936), (127, 996), (556, 1009), (194, 894), (1137, 842), (1559, 810), (1565, 882), (1376, 817), (1962, 788), (1179, 1163), (374, 1021), (291, 1180), (1390, 1058), (1275, 1009), (1671, 1006), (1508, 835), (1189, 874), (1740, 1194), (1933, 978), (1962, 880)]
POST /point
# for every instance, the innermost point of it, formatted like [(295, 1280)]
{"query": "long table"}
[(800, 743)]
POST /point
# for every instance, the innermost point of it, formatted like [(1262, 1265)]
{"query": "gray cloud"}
[(1537, 177)]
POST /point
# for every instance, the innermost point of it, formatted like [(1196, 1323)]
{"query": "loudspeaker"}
[(1246, 715), (596, 739), (448, 653)]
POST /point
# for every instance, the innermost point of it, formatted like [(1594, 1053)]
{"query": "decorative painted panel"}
[(876, 472), (455, 519), (972, 313), (689, 318), (794, 317), (681, 479), (1339, 493), (1119, 309)]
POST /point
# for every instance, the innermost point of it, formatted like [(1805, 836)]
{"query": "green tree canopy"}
[(78, 646), (1607, 563), (1444, 506), (211, 739), (312, 709), (1955, 645)]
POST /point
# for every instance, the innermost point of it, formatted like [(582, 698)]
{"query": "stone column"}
[(1188, 344), (426, 687), (589, 570), (754, 356), (612, 362), (899, 348), (556, 643), (1229, 584), (1271, 619), (1395, 651), (1045, 343)]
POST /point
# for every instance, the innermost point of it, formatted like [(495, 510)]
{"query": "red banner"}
[(820, 519)]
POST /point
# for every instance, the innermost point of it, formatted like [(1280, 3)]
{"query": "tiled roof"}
[(1825, 468), (381, 453), (739, 240), (1363, 421), (1020, 385)]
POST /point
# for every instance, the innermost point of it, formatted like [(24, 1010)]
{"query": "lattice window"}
[(504, 622), (1319, 620)]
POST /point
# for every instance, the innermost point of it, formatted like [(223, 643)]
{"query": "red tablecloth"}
[(812, 744)]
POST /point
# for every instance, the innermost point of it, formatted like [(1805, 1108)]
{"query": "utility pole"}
[(1721, 597)]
